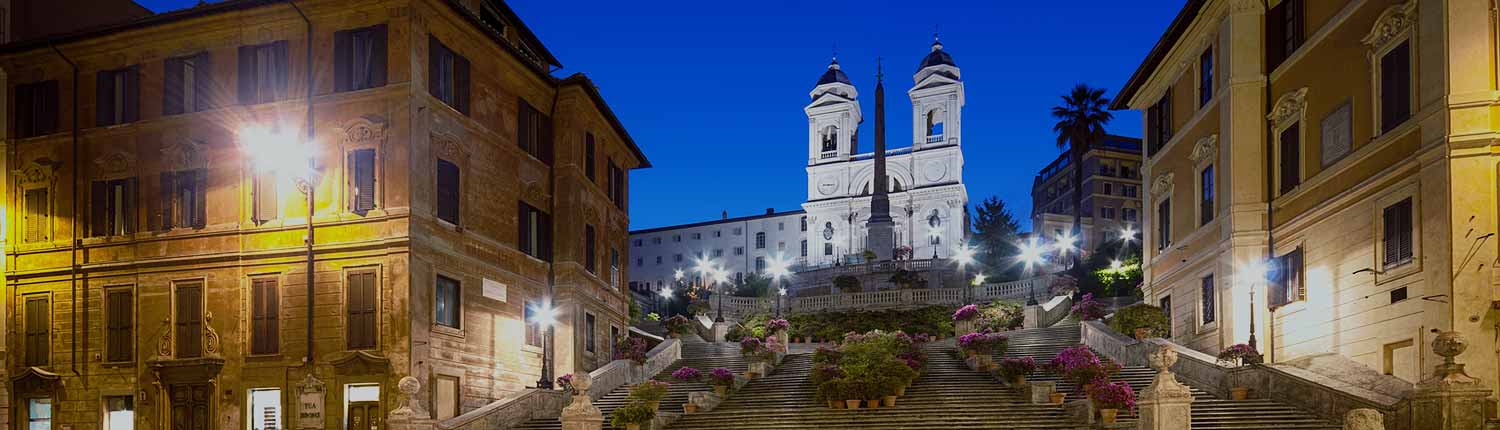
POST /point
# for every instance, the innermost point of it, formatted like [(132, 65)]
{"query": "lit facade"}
[(1111, 196), (155, 268), (1350, 142)]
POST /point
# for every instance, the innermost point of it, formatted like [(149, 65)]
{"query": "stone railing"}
[(740, 307), (508, 413), (1056, 309), (619, 373), (1318, 394)]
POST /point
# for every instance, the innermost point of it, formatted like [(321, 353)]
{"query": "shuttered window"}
[(265, 316), (362, 180), (447, 75), (1284, 31), (38, 222), (362, 298), (263, 72), (616, 184), (36, 109), (1209, 297), (189, 320), (359, 58), (534, 132), (1206, 195), (447, 303), (1396, 221), (1159, 124), (265, 195), (38, 327), (535, 232), (1290, 158), (1206, 76), (589, 169), (590, 259), (112, 207), (1164, 224), (1285, 280), (183, 199), (118, 96), (187, 84), (119, 325), (1395, 87), (448, 192)]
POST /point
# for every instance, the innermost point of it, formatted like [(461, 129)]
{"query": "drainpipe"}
[(1270, 207), (550, 291), (311, 187), (73, 221)]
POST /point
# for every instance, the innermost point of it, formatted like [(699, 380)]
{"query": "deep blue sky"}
[(713, 91)]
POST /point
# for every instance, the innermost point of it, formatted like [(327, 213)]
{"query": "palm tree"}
[(1080, 125)]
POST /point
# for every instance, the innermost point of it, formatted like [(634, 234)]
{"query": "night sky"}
[(713, 91)]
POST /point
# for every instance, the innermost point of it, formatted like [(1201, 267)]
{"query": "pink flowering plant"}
[(721, 377), (1112, 395), (631, 348), (968, 312), (687, 374), (778, 325), (753, 347), (565, 383), (984, 343), (1080, 366), (1012, 368), (1239, 355), (1088, 308), (679, 325)]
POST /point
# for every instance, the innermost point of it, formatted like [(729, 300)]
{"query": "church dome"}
[(937, 57), (834, 75)]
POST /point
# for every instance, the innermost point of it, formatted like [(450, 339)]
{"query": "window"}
[(449, 191), (830, 139), (1397, 234), (446, 395), (447, 302), (1206, 195), (637, 243), (677, 258), (188, 317), (760, 240), (359, 58), (1166, 308), (265, 409), (614, 268), (588, 324), (362, 296), (1159, 124), (617, 184), (38, 215), (640, 262), (1290, 158), (187, 84), (1206, 76), (119, 318), (614, 334), (1395, 87), (780, 226), (118, 96), (1127, 190), (265, 316), (697, 236), (119, 413), (1209, 296), (760, 264), (112, 207), (533, 330), (1128, 214), (656, 241), (718, 233), (828, 249), (263, 191), (1284, 32), (36, 109), (590, 262), (38, 329), (263, 73), (536, 232), (1164, 224), (738, 231), (447, 75), (804, 247), (588, 157), (362, 180), (184, 206), (739, 250), (676, 238), (39, 413), (1284, 283), (658, 260), (1107, 213), (780, 246), (1109, 188), (804, 223), (534, 132), (719, 252)]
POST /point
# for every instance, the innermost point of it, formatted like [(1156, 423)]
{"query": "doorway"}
[(190, 406), (362, 407)]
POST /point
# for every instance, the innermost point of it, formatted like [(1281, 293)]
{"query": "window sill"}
[(448, 331), (1206, 328), (1400, 272), (117, 364), (263, 358), (447, 225)]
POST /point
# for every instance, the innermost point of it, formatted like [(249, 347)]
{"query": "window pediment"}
[(1289, 108), (1162, 185), (1392, 24)]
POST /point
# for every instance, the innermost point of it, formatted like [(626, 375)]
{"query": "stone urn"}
[(689, 407), (1109, 416), (1056, 398)]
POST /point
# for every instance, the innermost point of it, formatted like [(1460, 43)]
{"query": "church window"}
[(830, 139), (804, 223), (804, 247), (935, 126)]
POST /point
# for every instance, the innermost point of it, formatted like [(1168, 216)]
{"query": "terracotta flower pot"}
[(835, 404), (1108, 416), (852, 404), (751, 375), (721, 390), (688, 408), (969, 353), (1018, 380), (654, 404), (901, 390), (1239, 393), (872, 404), (1057, 398), (633, 426), (1142, 333), (889, 401)]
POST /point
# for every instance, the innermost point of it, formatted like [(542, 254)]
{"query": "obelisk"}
[(881, 228)]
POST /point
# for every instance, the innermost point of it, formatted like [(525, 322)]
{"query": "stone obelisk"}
[(881, 228)]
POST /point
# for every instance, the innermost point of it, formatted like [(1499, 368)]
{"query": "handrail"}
[(509, 412), (740, 307)]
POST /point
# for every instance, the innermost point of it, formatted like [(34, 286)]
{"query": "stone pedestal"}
[(1450, 399), (581, 413), (760, 368), (1039, 393), (720, 329), (410, 415), (1166, 404), (1031, 316), (1364, 419), (961, 328)]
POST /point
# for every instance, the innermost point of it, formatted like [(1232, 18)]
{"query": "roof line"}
[(1158, 53), (718, 221), (581, 80)]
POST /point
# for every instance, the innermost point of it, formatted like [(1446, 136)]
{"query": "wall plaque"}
[(494, 290), (1337, 134), (310, 395)]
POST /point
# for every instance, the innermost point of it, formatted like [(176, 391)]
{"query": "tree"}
[(1080, 125), (753, 285), (995, 236)]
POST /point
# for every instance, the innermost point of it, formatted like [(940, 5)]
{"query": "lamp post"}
[(965, 256), (779, 270), (1031, 255), (719, 278), (544, 317), (273, 151)]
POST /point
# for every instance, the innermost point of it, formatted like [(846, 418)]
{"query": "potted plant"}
[(1014, 370), (854, 395), (649, 392), (565, 383), (688, 374), (1110, 398), (633, 349), (632, 415), (963, 319), (1056, 397), (1140, 319), (1239, 355), (1080, 366), (832, 392), (722, 379), (678, 325), (1088, 309), (689, 408)]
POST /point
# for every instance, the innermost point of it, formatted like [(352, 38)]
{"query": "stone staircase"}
[(1209, 412), (947, 396), (696, 353)]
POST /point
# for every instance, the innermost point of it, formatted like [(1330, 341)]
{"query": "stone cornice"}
[(1184, 53)]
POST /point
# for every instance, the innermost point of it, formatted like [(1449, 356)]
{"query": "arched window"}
[(935, 126), (830, 139)]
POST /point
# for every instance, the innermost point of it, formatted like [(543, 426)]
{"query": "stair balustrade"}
[(741, 307)]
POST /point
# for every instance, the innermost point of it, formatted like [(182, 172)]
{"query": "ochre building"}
[(155, 261)]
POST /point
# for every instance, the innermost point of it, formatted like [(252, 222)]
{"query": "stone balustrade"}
[(740, 307)]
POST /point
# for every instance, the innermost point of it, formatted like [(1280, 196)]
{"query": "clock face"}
[(828, 185)]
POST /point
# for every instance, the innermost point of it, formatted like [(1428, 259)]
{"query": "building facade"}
[(1111, 196), (1325, 169), (740, 246), (156, 266)]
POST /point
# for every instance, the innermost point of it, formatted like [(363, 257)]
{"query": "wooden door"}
[(190, 406), (365, 416)]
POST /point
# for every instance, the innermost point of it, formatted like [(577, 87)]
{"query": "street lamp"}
[(965, 256), (779, 272), (544, 316), (1031, 255), (1128, 234), (278, 152), (1259, 270), (719, 277)]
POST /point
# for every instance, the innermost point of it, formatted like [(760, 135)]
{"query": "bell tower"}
[(833, 118), (937, 101)]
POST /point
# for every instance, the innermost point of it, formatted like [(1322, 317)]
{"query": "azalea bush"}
[(632, 413), (565, 383), (648, 391), (1012, 368), (679, 325), (826, 355), (1239, 355), (984, 343), (631, 348), (826, 372), (755, 348), (1000, 315), (1088, 308), (721, 376), (778, 325), (965, 313), (1080, 366), (868, 365), (687, 374), (1112, 395)]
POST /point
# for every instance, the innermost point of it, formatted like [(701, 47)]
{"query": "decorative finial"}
[(936, 44), (879, 69), (834, 63)]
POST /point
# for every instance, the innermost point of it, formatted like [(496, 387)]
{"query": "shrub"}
[(687, 374), (721, 376), (777, 325), (1080, 366), (679, 325), (826, 372), (565, 383), (1000, 315), (631, 348), (648, 391), (1112, 395), (1239, 355), (754, 348), (1088, 309), (984, 343), (632, 413), (847, 284), (1012, 368), (653, 316), (968, 312), (1140, 315), (833, 389), (826, 355)]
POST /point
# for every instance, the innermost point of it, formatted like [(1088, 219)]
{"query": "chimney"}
[(770, 211), (724, 215)]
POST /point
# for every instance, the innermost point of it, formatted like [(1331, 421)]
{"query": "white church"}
[(928, 200)]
